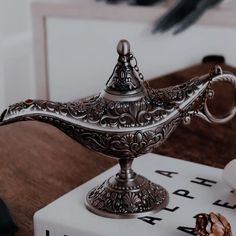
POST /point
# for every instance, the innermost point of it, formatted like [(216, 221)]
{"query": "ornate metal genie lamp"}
[(126, 120)]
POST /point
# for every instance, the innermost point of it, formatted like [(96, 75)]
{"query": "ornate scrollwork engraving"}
[(123, 78), (120, 145), (152, 108), (127, 119), (145, 198)]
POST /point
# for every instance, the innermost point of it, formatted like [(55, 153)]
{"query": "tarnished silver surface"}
[(127, 119), (126, 195)]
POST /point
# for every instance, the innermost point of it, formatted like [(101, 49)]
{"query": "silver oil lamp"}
[(126, 120)]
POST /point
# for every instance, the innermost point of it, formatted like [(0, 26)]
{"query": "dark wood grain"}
[(38, 163)]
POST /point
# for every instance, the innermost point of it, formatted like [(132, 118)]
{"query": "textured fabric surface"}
[(38, 163)]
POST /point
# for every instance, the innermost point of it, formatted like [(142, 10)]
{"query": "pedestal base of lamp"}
[(126, 198)]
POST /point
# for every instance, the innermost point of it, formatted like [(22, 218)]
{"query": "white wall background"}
[(81, 59), (16, 73), (17, 79)]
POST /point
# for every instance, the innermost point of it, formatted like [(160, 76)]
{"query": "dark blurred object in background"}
[(7, 226), (181, 15)]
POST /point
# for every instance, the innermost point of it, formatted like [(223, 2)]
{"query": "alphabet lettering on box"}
[(204, 182), (171, 209), (188, 230), (48, 233), (167, 173), (225, 204), (183, 193), (193, 189), (150, 220)]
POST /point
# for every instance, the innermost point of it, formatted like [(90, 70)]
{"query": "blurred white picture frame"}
[(75, 43)]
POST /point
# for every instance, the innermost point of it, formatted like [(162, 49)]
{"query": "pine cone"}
[(212, 224)]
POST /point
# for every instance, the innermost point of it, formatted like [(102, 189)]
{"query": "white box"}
[(68, 216)]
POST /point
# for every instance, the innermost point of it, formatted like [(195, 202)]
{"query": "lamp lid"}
[(126, 80)]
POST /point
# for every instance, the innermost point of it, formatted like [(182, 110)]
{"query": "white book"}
[(193, 189)]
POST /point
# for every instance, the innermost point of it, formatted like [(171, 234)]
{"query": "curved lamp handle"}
[(220, 76)]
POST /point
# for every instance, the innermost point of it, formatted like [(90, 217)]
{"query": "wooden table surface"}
[(39, 163)]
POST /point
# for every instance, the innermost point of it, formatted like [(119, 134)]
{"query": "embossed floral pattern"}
[(153, 107), (107, 199)]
